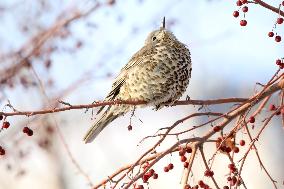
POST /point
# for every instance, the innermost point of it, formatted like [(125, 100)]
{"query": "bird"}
[(158, 74)]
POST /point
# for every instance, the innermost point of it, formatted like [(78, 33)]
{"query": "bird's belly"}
[(155, 84)]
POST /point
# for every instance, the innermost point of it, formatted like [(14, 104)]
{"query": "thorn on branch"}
[(260, 84), (65, 103), (11, 106)]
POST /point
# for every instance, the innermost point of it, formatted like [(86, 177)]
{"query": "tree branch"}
[(118, 102), (270, 7)]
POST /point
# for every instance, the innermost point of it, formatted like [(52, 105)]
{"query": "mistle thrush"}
[(158, 74)]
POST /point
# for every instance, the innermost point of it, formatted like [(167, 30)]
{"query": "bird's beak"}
[(163, 23)]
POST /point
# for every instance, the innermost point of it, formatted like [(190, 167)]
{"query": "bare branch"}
[(117, 102)]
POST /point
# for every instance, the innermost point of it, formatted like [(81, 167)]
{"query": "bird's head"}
[(160, 35)]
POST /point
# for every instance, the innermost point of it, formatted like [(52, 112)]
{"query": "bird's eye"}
[(154, 38)]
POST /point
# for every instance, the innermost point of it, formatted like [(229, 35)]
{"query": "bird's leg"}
[(187, 97)]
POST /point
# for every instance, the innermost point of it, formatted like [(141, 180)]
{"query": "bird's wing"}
[(136, 60)]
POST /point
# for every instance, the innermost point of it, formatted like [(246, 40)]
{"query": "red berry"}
[(217, 128), (171, 166), (251, 119), (151, 172), (129, 127), (226, 187), (1, 117), (155, 176), (6, 124), (181, 152), (279, 20), (166, 169), (182, 158), (2, 151), (145, 178), (187, 186), (223, 148), (244, 1), (233, 181), (30, 133), (239, 3), (188, 149), (185, 164), (245, 9), (278, 112), (228, 149), (270, 34), (236, 14), (140, 187), (233, 170), (242, 142), (272, 107), (207, 173), (26, 130), (281, 66), (201, 183), (243, 22), (236, 150), (277, 38), (231, 166), (282, 3), (229, 178), (278, 62)]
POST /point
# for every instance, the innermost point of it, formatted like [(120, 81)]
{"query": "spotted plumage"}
[(158, 73)]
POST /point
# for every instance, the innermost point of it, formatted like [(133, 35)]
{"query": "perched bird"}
[(158, 74)]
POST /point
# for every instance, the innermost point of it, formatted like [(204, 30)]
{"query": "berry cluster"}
[(227, 146), (169, 167), (280, 63), (232, 179), (279, 111), (200, 184), (152, 174), (182, 152), (278, 21), (242, 4), (232, 168), (208, 173), (28, 131), (149, 174)]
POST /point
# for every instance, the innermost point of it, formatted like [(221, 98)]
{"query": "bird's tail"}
[(99, 125)]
